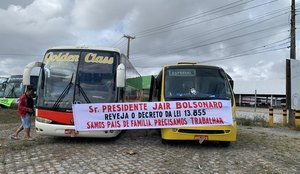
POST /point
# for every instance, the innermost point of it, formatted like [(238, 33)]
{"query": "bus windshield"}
[(197, 83), (2, 87), (76, 77), (14, 88)]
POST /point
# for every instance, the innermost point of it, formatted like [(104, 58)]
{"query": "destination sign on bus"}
[(94, 58), (90, 57), (182, 72), (61, 57)]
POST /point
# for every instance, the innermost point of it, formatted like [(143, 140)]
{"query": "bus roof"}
[(185, 64), (4, 76), (84, 48), (16, 76)]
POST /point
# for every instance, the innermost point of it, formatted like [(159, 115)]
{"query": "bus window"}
[(96, 83)]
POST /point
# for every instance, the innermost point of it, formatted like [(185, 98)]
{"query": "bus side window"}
[(158, 86)]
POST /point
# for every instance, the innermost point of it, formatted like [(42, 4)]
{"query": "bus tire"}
[(225, 143), (165, 142)]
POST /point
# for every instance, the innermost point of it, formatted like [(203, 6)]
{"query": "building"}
[(263, 93)]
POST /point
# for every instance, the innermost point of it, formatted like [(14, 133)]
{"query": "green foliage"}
[(258, 120)]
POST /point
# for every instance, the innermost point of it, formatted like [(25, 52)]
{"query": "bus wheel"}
[(225, 143), (165, 142)]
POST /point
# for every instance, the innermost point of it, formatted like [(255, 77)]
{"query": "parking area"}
[(257, 150)]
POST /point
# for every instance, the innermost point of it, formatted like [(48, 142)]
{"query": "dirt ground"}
[(8, 116), (257, 150)]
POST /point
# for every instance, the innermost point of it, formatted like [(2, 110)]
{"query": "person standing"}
[(25, 111)]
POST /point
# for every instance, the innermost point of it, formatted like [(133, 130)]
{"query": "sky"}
[(249, 39)]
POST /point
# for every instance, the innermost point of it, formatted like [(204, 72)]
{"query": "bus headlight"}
[(43, 120)]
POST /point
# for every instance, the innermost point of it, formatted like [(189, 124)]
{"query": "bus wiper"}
[(180, 98), (63, 94), (212, 98), (86, 98), (199, 98)]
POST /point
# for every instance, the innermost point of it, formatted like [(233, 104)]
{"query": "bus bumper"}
[(208, 133), (69, 131)]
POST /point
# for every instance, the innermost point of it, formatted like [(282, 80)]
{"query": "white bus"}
[(78, 75)]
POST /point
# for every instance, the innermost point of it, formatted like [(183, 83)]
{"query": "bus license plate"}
[(71, 132), (201, 137)]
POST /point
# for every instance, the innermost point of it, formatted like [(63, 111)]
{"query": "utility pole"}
[(288, 64), (255, 96), (128, 45)]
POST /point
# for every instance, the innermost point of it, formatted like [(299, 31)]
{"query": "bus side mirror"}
[(120, 76), (43, 78), (231, 83), (27, 71), (230, 80)]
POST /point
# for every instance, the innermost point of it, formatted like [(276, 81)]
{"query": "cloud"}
[(8, 62), (166, 32), (100, 15), (5, 3), (27, 32), (241, 42)]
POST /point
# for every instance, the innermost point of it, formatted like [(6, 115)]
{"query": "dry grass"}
[(8, 115), (256, 121)]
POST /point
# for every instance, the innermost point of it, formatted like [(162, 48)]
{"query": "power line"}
[(237, 24), (184, 19), (249, 42), (123, 45), (234, 37), (158, 27), (170, 45), (193, 17), (260, 49), (238, 56), (214, 42), (250, 51), (118, 42), (208, 20), (242, 55)]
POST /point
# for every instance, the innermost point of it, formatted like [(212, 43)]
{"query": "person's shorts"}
[(26, 121)]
